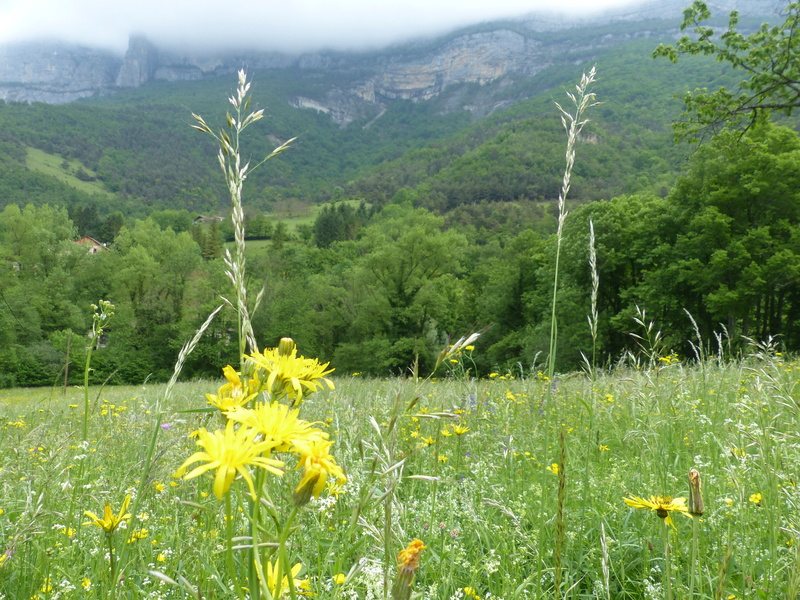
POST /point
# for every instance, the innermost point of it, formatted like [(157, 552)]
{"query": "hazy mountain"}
[(356, 83)]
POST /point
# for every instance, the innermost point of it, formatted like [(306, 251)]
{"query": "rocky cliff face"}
[(58, 73), (140, 64), (55, 73)]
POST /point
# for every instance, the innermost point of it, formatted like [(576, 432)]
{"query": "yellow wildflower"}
[(408, 563), (317, 465), (234, 393), (289, 374), (230, 452), (278, 424), (662, 505), (110, 521), (301, 586)]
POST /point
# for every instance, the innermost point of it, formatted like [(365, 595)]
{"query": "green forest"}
[(428, 226)]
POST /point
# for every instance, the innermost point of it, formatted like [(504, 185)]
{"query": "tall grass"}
[(738, 428)]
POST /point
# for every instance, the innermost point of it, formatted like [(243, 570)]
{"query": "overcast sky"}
[(289, 25)]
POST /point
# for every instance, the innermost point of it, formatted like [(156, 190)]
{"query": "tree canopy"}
[(768, 58)]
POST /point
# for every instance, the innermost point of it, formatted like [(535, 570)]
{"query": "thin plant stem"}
[(229, 561), (667, 563), (86, 369), (111, 565), (695, 556), (255, 588), (283, 557)]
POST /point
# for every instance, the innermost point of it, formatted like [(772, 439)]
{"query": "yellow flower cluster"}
[(288, 374), (278, 372), (251, 435)]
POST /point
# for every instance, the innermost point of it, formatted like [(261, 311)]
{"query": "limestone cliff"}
[(362, 82), (140, 64), (54, 73)]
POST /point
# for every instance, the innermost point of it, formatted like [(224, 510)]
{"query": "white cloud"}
[(271, 24)]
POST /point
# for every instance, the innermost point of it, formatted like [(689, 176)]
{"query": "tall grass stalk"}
[(230, 161), (593, 317), (573, 123)]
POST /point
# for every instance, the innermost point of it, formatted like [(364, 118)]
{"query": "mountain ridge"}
[(56, 72)]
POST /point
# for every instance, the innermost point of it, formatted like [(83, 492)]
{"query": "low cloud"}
[(298, 26)]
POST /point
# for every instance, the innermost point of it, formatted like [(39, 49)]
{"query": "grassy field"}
[(53, 164), (515, 486)]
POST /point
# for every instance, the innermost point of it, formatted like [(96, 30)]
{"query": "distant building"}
[(207, 219), (91, 244)]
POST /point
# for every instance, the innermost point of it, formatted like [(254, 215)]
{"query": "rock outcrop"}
[(55, 73), (140, 64)]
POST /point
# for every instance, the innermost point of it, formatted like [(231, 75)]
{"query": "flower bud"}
[(409, 563), (286, 346), (696, 506)]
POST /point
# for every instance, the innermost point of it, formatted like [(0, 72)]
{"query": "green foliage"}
[(769, 60), (339, 222)]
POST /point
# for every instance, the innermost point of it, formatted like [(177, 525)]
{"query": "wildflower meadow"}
[(660, 477)]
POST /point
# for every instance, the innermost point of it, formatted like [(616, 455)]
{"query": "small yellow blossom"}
[(279, 424), (756, 498), (318, 465), (110, 521), (408, 563), (277, 590), (288, 374)]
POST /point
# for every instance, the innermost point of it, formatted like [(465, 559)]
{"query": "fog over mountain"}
[(297, 26), (167, 47)]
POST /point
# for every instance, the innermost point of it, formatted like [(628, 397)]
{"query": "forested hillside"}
[(436, 224)]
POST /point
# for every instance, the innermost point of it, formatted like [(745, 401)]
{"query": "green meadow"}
[(512, 483), (64, 170)]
